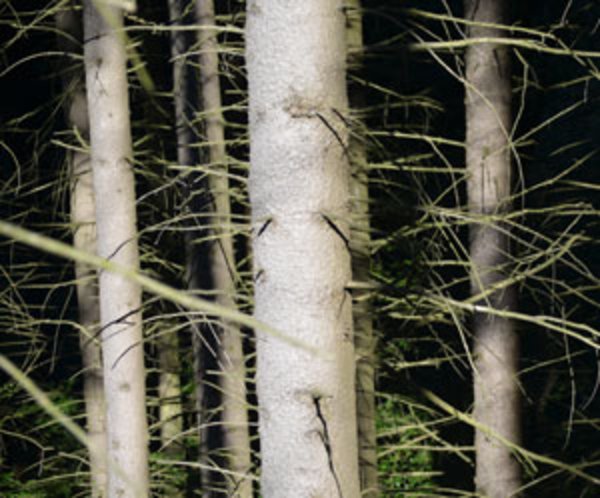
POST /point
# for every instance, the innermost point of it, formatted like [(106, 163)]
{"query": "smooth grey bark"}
[(232, 375), (360, 243), (495, 340), (299, 180), (83, 220), (120, 298)]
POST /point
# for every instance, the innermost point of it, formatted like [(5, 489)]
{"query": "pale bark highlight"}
[(299, 179), (234, 418), (360, 243), (495, 341), (84, 238), (120, 298), (83, 220)]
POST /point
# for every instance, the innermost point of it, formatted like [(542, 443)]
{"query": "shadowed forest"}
[(279, 249)]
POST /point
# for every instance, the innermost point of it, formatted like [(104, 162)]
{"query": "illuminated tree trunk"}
[(299, 180), (360, 240), (120, 298), (83, 220), (495, 340), (234, 417)]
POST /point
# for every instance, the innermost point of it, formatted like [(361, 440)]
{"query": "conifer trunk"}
[(495, 340), (83, 221), (360, 243), (120, 298), (186, 106), (299, 181), (84, 238), (232, 375)]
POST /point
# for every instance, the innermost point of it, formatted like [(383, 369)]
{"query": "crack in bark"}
[(335, 133), (118, 248), (121, 319), (336, 229), (264, 227), (122, 355), (327, 443)]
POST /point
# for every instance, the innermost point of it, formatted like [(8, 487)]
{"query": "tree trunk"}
[(170, 412), (120, 298), (495, 341), (299, 180), (360, 243), (186, 107), (234, 418), (83, 220)]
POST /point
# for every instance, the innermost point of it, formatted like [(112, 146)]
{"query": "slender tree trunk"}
[(84, 238), (170, 409), (186, 107), (83, 220), (496, 344), (234, 416), (299, 179), (360, 240), (120, 298), (195, 194)]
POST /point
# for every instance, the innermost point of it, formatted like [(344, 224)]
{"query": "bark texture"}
[(496, 344), (232, 375), (299, 180), (120, 299), (83, 219), (360, 243)]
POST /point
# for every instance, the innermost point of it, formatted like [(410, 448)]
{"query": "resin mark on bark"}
[(327, 442)]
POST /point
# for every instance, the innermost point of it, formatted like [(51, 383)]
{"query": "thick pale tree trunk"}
[(299, 180), (495, 340), (120, 298), (360, 243), (83, 220)]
